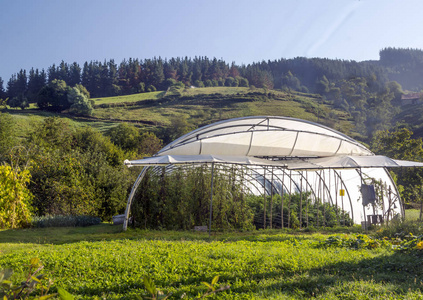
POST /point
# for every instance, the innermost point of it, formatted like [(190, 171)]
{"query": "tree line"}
[(108, 78)]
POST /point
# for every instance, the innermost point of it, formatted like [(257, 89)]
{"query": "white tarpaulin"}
[(265, 137)]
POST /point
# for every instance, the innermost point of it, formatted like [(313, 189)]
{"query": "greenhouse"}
[(284, 158)]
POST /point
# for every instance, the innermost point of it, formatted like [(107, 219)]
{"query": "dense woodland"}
[(58, 169)]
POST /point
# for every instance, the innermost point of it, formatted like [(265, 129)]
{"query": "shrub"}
[(65, 221), (15, 198)]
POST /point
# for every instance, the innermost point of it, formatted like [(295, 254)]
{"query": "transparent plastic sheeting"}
[(325, 185), (323, 179)]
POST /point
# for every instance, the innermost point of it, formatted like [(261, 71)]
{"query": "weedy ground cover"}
[(102, 261)]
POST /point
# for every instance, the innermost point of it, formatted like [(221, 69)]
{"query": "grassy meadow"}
[(199, 106), (103, 262)]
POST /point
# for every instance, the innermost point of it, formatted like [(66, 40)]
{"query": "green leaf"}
[(207, 285), (215, 280), (47, 297), (35, 279), (150, 286), (34, 262), (64, 295)]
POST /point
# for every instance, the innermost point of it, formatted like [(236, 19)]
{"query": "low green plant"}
[(34, 284), (65, 221), (359, 241), (155, 293), (212, 289)]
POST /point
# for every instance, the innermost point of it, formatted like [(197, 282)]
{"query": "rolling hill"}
[(199, 106)]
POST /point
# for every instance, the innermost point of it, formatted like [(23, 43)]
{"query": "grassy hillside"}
[(206, 105), (200, 106)]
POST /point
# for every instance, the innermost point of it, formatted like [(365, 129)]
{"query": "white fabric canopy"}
[(265, 137), (201, 159)]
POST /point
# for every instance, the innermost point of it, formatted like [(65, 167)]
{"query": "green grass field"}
[(412, 214), (102, 261), (200, 106), (128, 98)]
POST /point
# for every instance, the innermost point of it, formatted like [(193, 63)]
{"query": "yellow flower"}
[(420, 245)]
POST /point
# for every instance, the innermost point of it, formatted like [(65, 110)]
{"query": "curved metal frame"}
[(258, 124)]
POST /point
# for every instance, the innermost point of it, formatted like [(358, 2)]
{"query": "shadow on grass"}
[(394, 275)]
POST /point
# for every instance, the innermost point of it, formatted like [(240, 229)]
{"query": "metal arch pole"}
[(264, 196), (282, 194), (398, 194), (271, 201), (308, 184), (211, 199), (131, 196), (324, 186), (301, 201)]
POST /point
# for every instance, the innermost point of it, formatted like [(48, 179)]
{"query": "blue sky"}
[(38, 33)]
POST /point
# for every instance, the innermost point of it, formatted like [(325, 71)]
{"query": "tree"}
[(243, 82), (322, 85), (178, 127), (2, 91), (291, 82), (125, 136), (149, 144), (19, 101), (399, 144), (37, 80), (90, 140), (396, 88), (52, 134), (79, 103), (74, 76), (54, 96)]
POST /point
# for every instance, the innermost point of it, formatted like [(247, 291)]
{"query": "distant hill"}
[(404, 66), (203, 90), (200, 106)]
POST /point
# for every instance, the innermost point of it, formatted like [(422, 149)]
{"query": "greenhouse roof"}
[(270, 141)]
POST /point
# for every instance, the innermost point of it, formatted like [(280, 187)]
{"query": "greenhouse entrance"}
[(293, 173)]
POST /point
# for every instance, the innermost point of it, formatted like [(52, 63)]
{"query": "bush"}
[(15, 198), (65, 221)]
